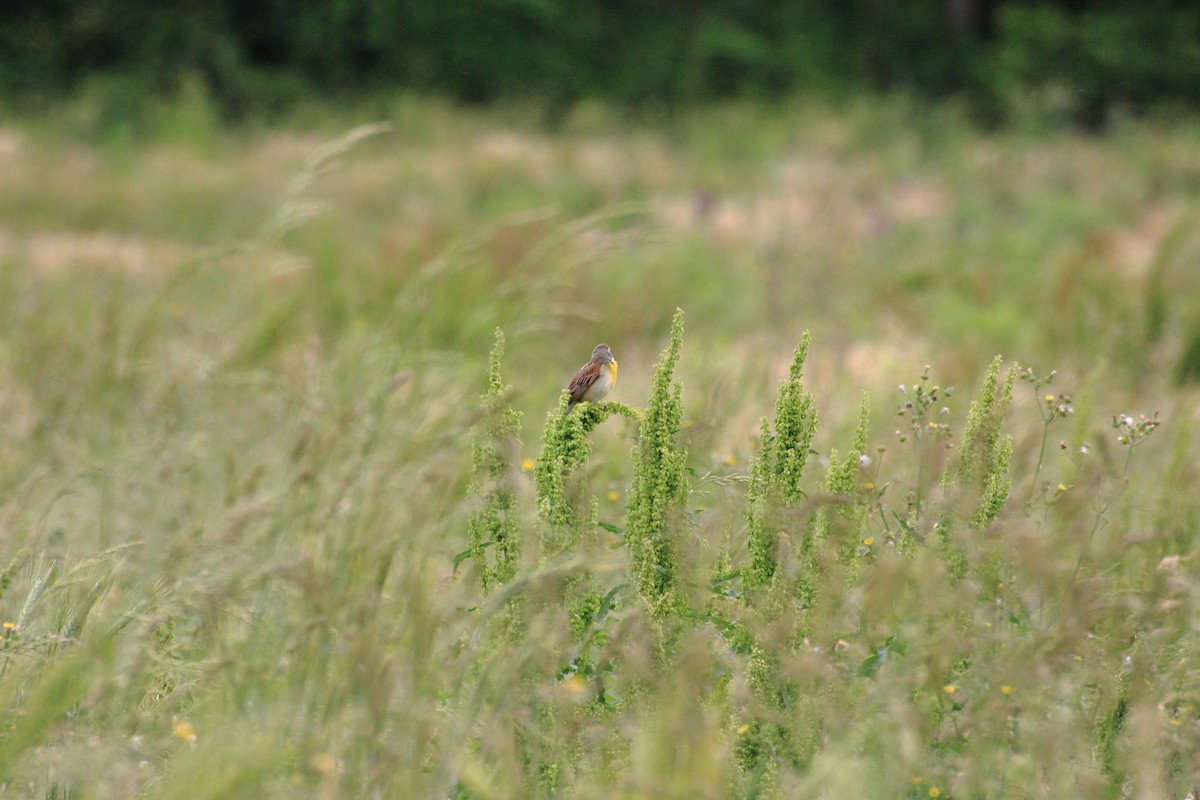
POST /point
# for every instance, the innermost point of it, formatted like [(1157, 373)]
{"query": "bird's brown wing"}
[(588, 374)]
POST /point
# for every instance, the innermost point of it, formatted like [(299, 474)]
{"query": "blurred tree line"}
[(1088, 56)]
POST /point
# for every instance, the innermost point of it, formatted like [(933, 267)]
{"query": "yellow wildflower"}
[(614, 496), (933, 792), (949, 688), (527, 465), (184, 730), (743, 729), (870, 540), (1006, 689), (575, 685), (323, 763)]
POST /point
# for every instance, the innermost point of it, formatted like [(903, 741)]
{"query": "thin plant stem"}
[(1037, 470)]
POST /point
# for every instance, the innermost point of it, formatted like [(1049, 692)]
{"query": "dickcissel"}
[(595, 379)]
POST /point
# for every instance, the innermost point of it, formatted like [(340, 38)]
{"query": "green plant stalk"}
[(777, 469), (496, 441), (1100, 519), (659, 489), (1037, 470)]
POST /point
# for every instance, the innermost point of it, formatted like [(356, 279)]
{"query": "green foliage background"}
[(1073, 60)]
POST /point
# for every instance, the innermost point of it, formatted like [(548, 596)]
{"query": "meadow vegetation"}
[(896, 496)]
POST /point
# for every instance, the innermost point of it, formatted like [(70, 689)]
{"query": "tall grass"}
[(263, 538)]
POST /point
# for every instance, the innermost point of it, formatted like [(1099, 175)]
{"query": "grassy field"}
[(267, 532)]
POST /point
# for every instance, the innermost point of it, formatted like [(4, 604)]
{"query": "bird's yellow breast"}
[(612, 372)]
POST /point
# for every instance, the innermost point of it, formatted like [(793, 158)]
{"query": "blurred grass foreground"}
[(274, 524)]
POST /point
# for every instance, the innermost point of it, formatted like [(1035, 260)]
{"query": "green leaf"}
[(461, 557), (606, 603), (872, 663)]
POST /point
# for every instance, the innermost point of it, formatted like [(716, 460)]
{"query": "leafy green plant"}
[(979, 476), (845, 520), (496, 526), (659, 488), (776, 471), (568, 518)]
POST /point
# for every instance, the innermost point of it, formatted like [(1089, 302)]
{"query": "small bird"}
[(595, 379)]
